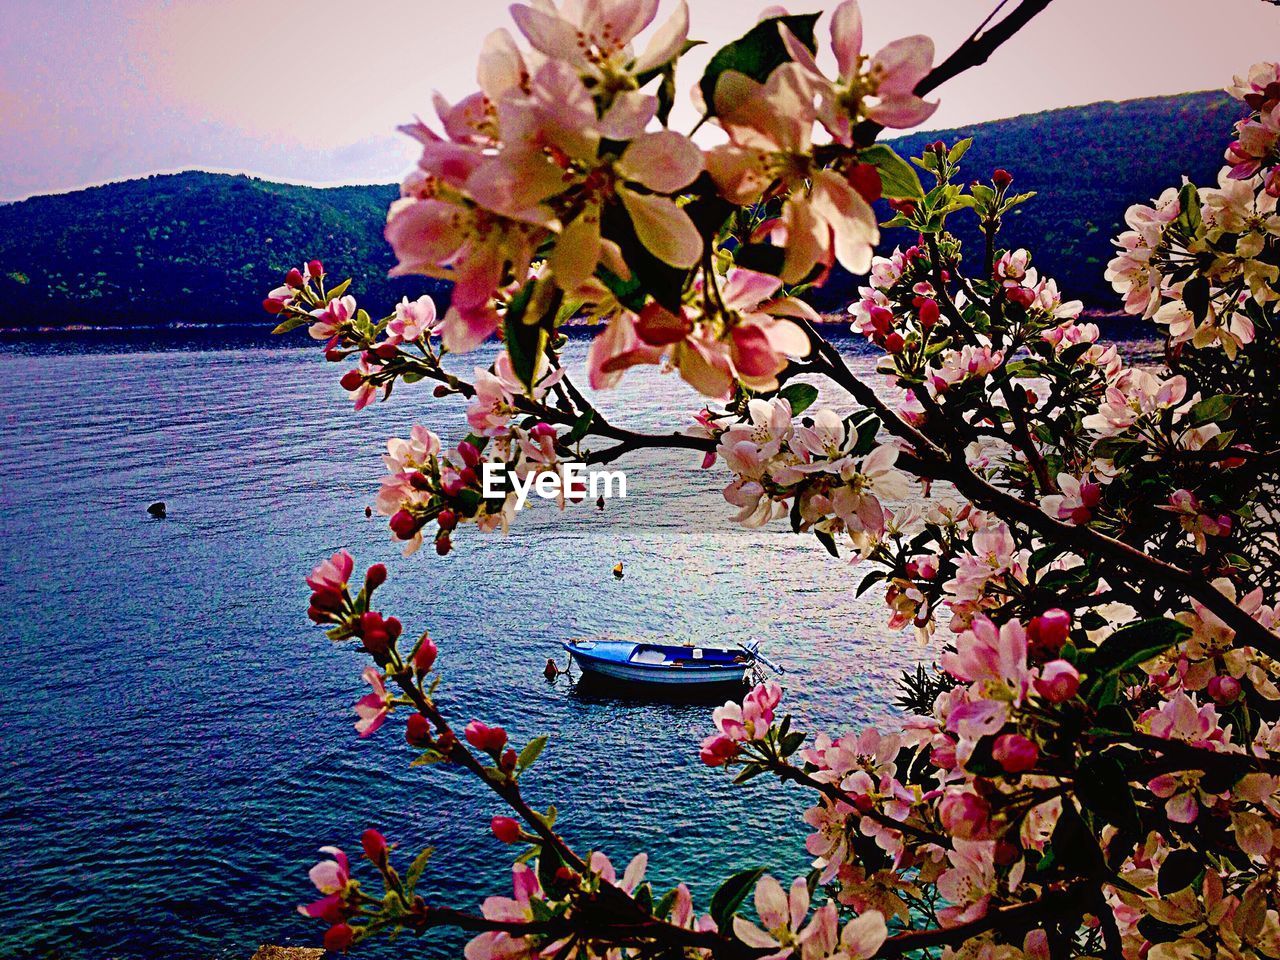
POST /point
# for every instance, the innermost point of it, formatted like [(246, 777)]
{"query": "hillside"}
[(199, 247)]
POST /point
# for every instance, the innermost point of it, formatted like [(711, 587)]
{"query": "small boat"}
[(638, 661)]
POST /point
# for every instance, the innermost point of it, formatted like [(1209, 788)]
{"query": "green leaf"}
[(870, 580), (524, 340), (1104, 790), (757, 53), (760, 257), (800, 395), (827, 541), (1195, 294), (897, 180), (415, 869), (530, 753), (1180, 869), (580, 428), (293, 323), (726, 900), (1125, 649), (959, 150), (339, 290), (663, 909), (1189, 211), (1212, 409)]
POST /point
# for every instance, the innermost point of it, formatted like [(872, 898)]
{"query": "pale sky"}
[(311, 90)]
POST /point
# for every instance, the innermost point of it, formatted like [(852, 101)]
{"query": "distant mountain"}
[(202, 248)]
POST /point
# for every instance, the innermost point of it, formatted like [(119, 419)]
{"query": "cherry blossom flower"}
[(770, 129), (518, 908), (331, 317), (781, 914), (373, 707), (330, 877), (880, 88), (412, 321)]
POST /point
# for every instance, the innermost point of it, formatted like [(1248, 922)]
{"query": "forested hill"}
[(200, 247)]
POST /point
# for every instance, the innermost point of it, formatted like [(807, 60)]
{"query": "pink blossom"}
[(1015, 753), (412, 320), (997, 655), (781, 914), (518, 908), (770, 129), (1194, 520), (372, 708), (331, 317), (969, 882), (330, 877), (880, 88), (1058, 681), (332, 574)]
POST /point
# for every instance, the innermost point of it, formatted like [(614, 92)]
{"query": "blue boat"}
[(668, 664)]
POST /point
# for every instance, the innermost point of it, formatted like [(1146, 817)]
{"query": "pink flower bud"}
[(486, 738), (1015, 753), (1049, 631), (539, 431), (375, 576), (451, 483), (418, 480), (1224, 691), (352, 380), (881, 320), (375, 848), (339, 938), (294, 279), (404, 524), (417, 732), (273, 306), (894, 343), (717, 750), (509, 760), (334, 355), (425, 656), (386, 351), (505, 829), (1058, 681), (469, 453), (1001, 178), (315, 269), (1022, 296), (929, 312), (865, 179), (443, 545), (441, 390), (965, 815)]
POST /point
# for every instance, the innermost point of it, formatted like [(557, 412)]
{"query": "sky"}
[(311, 90)]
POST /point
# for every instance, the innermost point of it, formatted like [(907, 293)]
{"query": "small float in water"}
[(665, 664)]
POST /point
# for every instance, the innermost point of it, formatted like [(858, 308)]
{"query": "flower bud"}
[(352, 380), (894, 343), (339, 938), (447, 519), (446, 742), (441, 390), (375, 576), (315, 269), (294, 279), (1001, 178), (541, 430), (717, 750), (505, 829), (1015, 753), (508, 762), (404, 524), (1022, 296), (451, 483), (443, 545), (386, 351), (273, 306), (865, 179), (881, 320), (424, 658), (334, 356), (1048, 632), (418, 480), (1224, 691), (469, 452), (327, 598), (418, 731), (929, 312), (1058, 681), (484, 737), (375, 848)]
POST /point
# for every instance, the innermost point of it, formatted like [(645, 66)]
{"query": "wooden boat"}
[(639, 661)]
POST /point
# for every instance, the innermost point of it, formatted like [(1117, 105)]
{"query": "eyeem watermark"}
[(570, 480)]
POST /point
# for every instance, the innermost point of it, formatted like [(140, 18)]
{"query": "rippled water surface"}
[(176, 739)]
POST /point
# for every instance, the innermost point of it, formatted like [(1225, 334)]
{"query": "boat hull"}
[(607, 661)]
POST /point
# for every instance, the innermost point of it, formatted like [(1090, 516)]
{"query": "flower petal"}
[(664, 162), (664, 229)]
